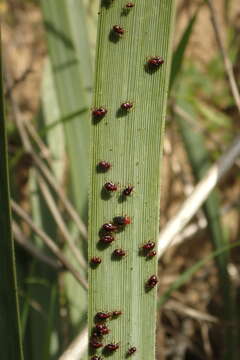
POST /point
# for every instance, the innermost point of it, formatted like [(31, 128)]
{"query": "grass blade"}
[(200, 163), (68, 44), (132, 142), (11, 347), (186, 275), (72, 83), (199, 160), (178, 55)]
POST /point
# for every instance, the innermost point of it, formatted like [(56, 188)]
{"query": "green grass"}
[(187, 275), (71, 69), (11, 347), (132, 142)]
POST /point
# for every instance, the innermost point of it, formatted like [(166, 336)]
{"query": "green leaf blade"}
[(11, 346), (72, 80), (178, 56), (132, 143)]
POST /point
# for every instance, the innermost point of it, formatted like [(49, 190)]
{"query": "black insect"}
[(149, 245), (103, 315), (122, 220), (109, 186), (126, 106), (151, 254), (107, 239), (99, 112), (152, 281), (155, 62), (119, 253), (129, 5), (104, 166), (127, 8), (128, 190), (96, 344), (101, 329), (117, 29), (96, 260), (109, 227), (111, 347), (116, 313), (131, 351)]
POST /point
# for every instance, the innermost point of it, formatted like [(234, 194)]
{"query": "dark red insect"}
[(107, 239), (95, 335), (111, 347), (126, 106), (122, 220), (128, 190), (132, 350), (119, 253), (151, 254), (96, 358), (149, 245), (95, 343), (118, 30), (109, 186), (109, 227), (116, 313), (130, 5), (99, 112), (103, 315), (104, 165), (101, 329), (152, 281), (96, 260), (155, 61)]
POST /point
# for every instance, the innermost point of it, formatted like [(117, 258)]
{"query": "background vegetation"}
[(47, 130)]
